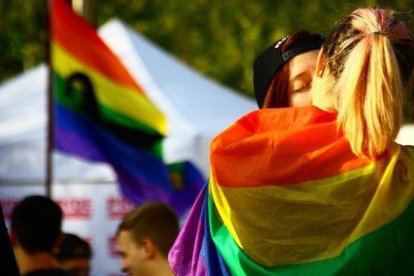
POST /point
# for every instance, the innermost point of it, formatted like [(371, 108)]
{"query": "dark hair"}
[(271, 71), (156, 221), (36, 221), (73, 247)]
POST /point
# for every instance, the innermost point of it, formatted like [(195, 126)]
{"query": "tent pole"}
[(49, 142), (86, 9)]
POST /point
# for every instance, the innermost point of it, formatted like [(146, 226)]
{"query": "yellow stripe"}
[(281, 225), (115, 96)]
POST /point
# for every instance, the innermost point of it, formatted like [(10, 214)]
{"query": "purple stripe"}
[(71, 142), (185, 255), (138, 191), (141, 175), (194, 252), (77, 135)]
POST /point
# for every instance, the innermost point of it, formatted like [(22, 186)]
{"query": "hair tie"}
[(379, 33)]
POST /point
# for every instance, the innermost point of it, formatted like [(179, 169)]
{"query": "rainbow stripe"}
[(101, 114), (287, 196), (194, 252)]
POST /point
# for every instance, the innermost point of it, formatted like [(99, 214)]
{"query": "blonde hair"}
[(371, 56)]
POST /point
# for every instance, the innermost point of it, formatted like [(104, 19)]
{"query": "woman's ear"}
[(320, 63)]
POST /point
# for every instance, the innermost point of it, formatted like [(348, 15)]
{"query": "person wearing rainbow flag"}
[(282, 77), (318, 190)]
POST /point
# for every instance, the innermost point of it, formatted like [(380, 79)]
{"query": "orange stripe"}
[(305, 147), (79, 38)]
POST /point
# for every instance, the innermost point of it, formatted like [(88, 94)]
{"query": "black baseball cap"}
[(272, 59)]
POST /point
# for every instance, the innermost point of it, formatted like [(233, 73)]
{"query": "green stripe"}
[(176, 168), (143, 135), (386, 251), (107, 113), (176, 171)]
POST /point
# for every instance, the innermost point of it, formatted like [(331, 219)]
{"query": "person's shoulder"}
[(408, 151), (49, 272)]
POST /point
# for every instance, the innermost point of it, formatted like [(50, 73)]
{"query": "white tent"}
[(197, 108), (406, 135)]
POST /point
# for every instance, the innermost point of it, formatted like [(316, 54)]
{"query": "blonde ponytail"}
[(370, 98), (371, 55)]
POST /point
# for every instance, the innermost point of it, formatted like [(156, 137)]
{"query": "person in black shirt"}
[(35, 234)]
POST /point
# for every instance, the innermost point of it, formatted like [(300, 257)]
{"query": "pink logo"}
[(113, 247), (118, 207), (8, 205), (75, 208)]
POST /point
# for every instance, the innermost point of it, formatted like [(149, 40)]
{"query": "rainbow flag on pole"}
[(287, 196), (102, 114)]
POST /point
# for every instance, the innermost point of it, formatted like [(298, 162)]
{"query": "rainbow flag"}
[(287, 196), (101, 113)]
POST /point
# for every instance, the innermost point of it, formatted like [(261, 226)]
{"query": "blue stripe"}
[(77, 135), (214, 262)]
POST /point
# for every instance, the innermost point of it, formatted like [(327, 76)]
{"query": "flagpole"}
[(50, 113), (49, 141)]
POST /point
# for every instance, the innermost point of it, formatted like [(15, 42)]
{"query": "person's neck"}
[(161, 267), (165, 269), (31, 262)]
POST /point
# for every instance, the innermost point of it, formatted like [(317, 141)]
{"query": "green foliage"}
[(23, 35), (218, 38)]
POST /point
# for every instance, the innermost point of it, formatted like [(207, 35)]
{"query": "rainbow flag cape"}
[(101, 113), (287, 196)]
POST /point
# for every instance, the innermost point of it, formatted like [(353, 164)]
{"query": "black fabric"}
[(73, 247), (49, 272), (264, 68), (271, 60), (8, 265), (299, 50)]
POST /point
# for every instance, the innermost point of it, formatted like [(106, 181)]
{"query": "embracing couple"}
[(313, 182)]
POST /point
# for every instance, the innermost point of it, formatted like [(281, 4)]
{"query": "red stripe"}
[(80, 39), (281, 146)]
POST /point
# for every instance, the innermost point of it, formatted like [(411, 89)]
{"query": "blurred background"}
[(218, 38)]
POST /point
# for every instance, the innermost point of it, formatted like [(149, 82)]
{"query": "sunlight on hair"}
[(370, 88)]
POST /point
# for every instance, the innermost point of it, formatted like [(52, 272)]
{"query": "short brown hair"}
[(154, 220)]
